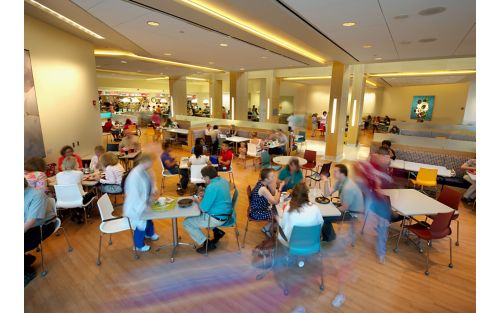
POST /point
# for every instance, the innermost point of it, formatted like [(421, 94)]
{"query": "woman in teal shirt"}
[(291, 174)]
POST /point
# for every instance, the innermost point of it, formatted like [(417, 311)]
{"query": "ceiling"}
[(429, 80), (191, 36)]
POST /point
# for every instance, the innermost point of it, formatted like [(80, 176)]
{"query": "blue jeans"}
[(174, 169), (382, 229), (139, 235)]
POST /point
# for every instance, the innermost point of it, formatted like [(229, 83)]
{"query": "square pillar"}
[(178, 94), (215, 97), (357, 98), (238, 95)]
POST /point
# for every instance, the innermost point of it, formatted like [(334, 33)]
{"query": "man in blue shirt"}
[(216, 208)]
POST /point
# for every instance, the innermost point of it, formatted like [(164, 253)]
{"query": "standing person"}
[(67, 151), (351, 200), (291, 122), (291, 175), (34, 173), (139, 193), (37, 211), (314, 124), (129, 141), (226, 156), (216, 208), (470, 194), (322, 121), (368, 121), (113, 173), (94, 161), (263, 195)]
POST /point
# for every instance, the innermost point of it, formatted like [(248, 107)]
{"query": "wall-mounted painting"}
[(421, 108), (33, 139)]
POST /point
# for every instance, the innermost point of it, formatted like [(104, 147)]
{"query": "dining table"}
[(283, 160)]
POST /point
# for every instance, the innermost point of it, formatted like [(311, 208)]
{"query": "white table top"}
[(51, 181), (130, 155), (176, 130), (237, 139), (193, 210), (411, 202), (184, 163), (273, 144), (285, 159), (325, 209), (399, 164), (414, 167)]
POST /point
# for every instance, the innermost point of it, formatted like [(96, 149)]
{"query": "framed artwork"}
[(33, 138), (422, 107)]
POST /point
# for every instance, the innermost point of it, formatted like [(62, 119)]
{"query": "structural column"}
[(337, 109), (262, 100), (215, 97), (177, 89), (273, 97), (238, 95), (357, 98)]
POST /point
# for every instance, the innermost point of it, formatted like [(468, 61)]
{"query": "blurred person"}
[(169, 163), (242, 150), (395, 130), (314, 124), (67, 151), (387, 144), (198, 158), (233, 131), (291, 122), (129, 141), (107, 126), (291, 175), (34, 173)]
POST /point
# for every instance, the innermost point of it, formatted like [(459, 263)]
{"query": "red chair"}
[(451, 198), (439, 228), (310, 157)]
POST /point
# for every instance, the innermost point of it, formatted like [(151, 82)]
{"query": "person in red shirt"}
[(128, 122), (226, 156), (107, 126), (67, 151)]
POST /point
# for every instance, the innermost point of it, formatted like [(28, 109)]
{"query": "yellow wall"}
[(448, 105), (65, 83)]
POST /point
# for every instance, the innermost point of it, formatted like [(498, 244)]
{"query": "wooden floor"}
[(225, 280)]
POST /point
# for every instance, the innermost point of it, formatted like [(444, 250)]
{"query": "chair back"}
[(195, 173), (252, 149), (325, 169), (450, 197), (112, 147), (303, 134), (68, 196), (105, 207), (427, 174), (310, 156), (440, 226), (234, 200), (231, 221), (266, 159), (305, 240)]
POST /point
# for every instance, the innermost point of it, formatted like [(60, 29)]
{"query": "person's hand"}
[(281, 185)]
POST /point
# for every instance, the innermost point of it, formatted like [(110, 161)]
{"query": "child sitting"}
[(242, 151)]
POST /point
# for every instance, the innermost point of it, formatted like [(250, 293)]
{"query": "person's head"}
[(419, 101), (166, 146), (293, 165), (109, 120), (243, 145), (208, 126), (145, 160), (216, 126), (324, 113), (128, 121), (99, 150), (268, 176), (69, 164), (199, 142), (225, 147), (233, 127), (208, 173), (127, 133), (300, 196), (382, 156), (169, 121), (386, 144), (198, 150), (67, 151), (35, 164), (108, 158), (369, 117), (254, 134), (340, 172)]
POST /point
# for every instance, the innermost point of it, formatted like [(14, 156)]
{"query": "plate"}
[(184, 203), (322, 200)]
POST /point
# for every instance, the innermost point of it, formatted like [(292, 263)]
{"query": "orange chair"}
[(426, 177), (451, 198)]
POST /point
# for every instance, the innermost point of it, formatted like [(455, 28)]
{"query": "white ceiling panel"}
[(468, 45)]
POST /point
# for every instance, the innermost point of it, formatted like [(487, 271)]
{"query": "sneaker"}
[(145, 248), (154, 237), (381, 259), (338, 301)]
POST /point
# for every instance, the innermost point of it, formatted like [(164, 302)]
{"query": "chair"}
[(426, 177), (195, 174), (451, 198), (112, 147), (310, 157), (249, 219), (266, 161), (316, 176), (164, 173), (301, 140), (134, 129), (439, 228), (230, 222), (112, 224), (252, 154), (58, 225), (69, 197), (304, 241), (229, 172), (124, 178)]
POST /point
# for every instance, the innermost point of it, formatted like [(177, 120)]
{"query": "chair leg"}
[(237, 234), (427, 260), (44, 271), (458, 231), (98, 262), (161, 186), (245, 235), (208, 237), (364, 223), (451, 254), (285, 290), (399, 237), (70, 248), (110, 242)]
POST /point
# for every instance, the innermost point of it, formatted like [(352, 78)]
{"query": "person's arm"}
[(327, 192), (208, 200), (272, 199)]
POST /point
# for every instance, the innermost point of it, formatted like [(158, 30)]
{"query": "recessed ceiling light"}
[(401, 17), (138, 71), (263, 57), (367, 46), (161, 73), (153, 23), (378, 59), (97, 66), (124, 62), (181, 31), (432, 11), (223, 44), (349, 24), (426, 40), (210, 62), (242, 69)]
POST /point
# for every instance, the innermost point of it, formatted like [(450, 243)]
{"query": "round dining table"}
[(285, 159)]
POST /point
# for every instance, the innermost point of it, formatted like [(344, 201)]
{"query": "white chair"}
[(252, 154), (164, 173), (229, 172), (195, 174), (69, 197), (112, 224), (58, 225)]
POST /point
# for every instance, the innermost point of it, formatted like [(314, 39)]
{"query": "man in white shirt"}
[(291, 122)]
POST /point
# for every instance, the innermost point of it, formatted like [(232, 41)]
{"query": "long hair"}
[(300, 196), (108, 158)]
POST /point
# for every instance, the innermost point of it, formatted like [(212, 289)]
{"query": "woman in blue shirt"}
[(291, 174)]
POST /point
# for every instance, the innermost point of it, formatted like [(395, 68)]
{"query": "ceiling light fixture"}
[(242, 69), (367, 46), (125, 73), (210, 62), (153, 23), (378, 59), (430, 73), (334, 115), (115, 53), (223, 44), (349, 24), (124, 62), (353, 121), (306, 77), (253, 29), (64, 18), (167, 54), (371, 83)]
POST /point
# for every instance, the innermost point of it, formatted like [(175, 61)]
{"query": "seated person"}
[(107, 126), (67, 151), (94, 162), (200, 142), (198, 158), (298, 212), (216, 208), (395, 130), (113, 173), (37, 211), (387, 144), (226, 156), (129, 141), (34, 173), (233, 131), (215, 139), (70, 175), (291, 175), (263, 195), (242, 150), (387, 120), (351, 200), (127, 124), (167, 160), (256, 140), (470, 194)]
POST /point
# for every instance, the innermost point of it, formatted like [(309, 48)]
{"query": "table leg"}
[(175, 241)]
